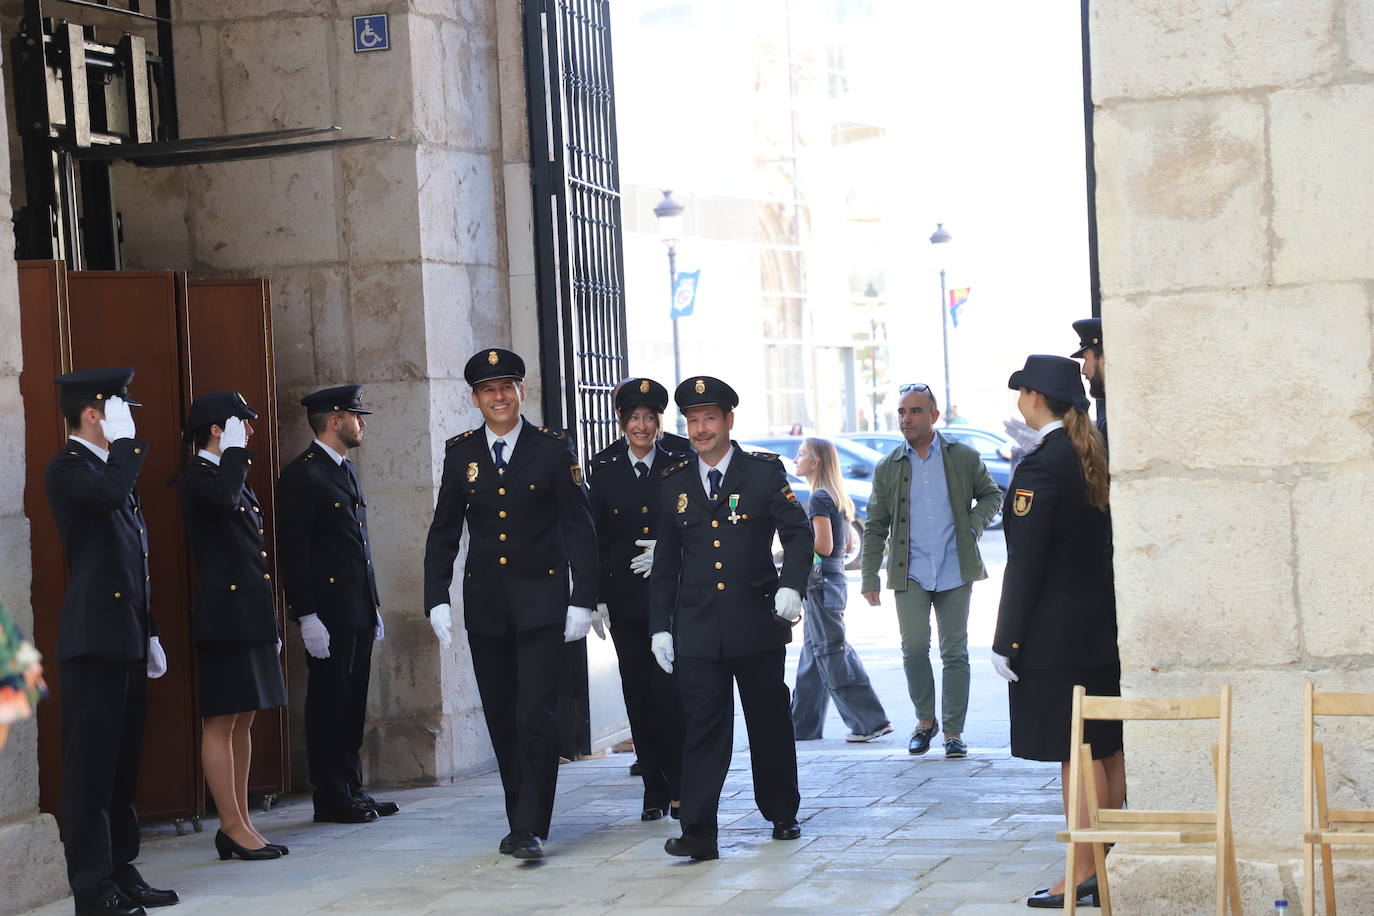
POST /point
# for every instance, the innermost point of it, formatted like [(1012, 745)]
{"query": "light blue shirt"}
[(933, 555)]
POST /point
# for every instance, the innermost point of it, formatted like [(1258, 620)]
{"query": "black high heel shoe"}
[(278, 847), (227, 849), (1087, 896), (651, 814)]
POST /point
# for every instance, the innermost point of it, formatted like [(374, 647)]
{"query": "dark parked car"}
[(859, 491), (991, 447)]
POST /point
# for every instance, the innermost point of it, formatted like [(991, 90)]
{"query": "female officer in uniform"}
[(625, 484), (233, 617), (1056, 625)]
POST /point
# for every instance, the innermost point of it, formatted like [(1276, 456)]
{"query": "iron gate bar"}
[(240, 154), (188, 144), (105, 8)]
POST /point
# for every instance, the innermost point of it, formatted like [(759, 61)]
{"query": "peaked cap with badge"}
[(1089, 331), (1056, 377), (493, 363), (341, 397), (702, 391), (641, 392), (214, 409), (97, 384)]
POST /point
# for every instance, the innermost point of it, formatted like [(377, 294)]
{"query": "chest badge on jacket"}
[(734, 516), (1022, 505), (681, 503), (472, 472)]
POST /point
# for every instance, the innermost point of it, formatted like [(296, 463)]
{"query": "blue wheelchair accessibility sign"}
[(370, 33)]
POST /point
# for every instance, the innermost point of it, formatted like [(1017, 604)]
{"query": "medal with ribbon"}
[(734, 504)]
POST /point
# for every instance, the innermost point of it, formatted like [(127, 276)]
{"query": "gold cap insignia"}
[(1022, 504), (472, 471), (700, 387), (492, 357), (681, 503), (643, 386)]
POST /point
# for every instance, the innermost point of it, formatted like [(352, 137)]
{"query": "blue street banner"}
[(685, 293), (957, 298)]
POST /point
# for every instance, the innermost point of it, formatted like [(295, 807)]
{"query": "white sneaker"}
[(882, 730)]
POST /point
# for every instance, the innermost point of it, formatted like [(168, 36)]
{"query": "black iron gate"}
[(578, 246)]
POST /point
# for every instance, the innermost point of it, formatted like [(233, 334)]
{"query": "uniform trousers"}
[(951, 616), (828, 669), (654, 710), (517, 679), (104, 707), (708, 705), (335, 710)]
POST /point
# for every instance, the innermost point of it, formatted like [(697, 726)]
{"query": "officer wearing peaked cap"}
[(721, 614), (331, 591), (107, 645), (1089, 331), (518, 490), (233, 613), (625, 486)]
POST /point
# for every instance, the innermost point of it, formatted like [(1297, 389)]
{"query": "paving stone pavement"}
[(883, 831)]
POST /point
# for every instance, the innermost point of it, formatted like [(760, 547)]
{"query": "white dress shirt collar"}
[(509, 438), (1048, 428), (214, 459), (338, 459), (723, 467), (101, 453), (647, 459)]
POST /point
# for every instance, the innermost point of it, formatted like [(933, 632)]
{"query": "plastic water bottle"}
[(1280, 908)]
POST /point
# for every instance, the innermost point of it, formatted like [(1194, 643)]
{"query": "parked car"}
[(991, 447), (859, 491)]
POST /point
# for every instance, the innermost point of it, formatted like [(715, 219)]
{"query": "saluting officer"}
[(625, 503), (233, 614), (107, 644), (331, 591), (518, 487), (720, 609), (1089, 331)]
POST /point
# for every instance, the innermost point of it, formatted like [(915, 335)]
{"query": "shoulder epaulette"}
[(454, 440), (765, 456), (609, 453), (672, 469), (551, 433)]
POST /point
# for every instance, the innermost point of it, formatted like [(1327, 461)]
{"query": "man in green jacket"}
[(931, 500)]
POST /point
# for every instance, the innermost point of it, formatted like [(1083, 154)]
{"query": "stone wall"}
[(389, 266), (1234, 147)]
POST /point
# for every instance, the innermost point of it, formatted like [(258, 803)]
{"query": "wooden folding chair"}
[(1112, 825), (1324, 826)]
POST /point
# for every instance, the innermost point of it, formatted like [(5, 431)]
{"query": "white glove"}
[(157, 659), (118, 422), (644, 563), (661, 644), (578, 623), (1023, 435), (441, 622), (1002, 665), (601, 618), (787, 604), (315, 636), (379, 633), (235, 435)]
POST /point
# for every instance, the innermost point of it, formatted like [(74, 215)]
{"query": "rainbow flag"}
[(957, 298)]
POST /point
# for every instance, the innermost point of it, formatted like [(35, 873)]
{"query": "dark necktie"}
[(713, 475), (641, 469), (353, 480), (497, 448)]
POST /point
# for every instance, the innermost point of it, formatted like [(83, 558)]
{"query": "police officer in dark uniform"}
[(518, 488), (720, 610), (625, 503), (233, 613), (107, 644), (1089, 331), (331, 591)]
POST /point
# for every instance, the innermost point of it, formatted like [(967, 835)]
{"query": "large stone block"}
[(1186, 883), (13, 482), (226, 10), (1286, 351), (406, 669), (465, 311), (388, 308), (153, 204), (200, 102), (19, 766), (461, 214), (35, 872), (1334, 587), (382, 200), (1198, 586), (462, 109), (398, 522), (310, 321), (276, 73), (253, 216), (1149, 48), (373, 90), (1180, 194), (1322, 152), (394, 456), (1359, 34), (16, 569)]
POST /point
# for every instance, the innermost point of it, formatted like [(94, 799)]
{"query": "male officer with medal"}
[(107, 644), (518, 488), (331, 591), (720, 613)]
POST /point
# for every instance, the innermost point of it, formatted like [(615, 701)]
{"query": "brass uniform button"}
[(719, 564), (267, 576), (263, 553), (1016, 645), (233, 588), (501, 536), (259, 531), (331, 580), (118, 595), (336, 506), (503, 561), (501, 491), (138, 451), (720, 586), (501, 514), (531, 486), (250, 460), (552, 572), (715, 543), (615, 511), (644, 509), (715, 523), (145, 555), (241, 507), (646, 530)]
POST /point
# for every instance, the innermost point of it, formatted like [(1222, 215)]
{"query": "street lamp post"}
[(940, 237), (669, 213)]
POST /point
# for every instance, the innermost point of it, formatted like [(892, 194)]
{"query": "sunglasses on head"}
[(913, 386)]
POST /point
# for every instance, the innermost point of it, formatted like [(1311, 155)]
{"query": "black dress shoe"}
[(279, 848), (115, 902), (227, 849), (688, 846), (652, 814), (675, 812), (527, 846), (144, 895), (635, 769), (346, 814), (786, 830), (383, 808), (1087, 896), (508, 843), (921, 737)]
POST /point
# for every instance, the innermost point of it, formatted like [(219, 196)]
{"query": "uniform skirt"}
[(1042, 710), (239, 677)]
